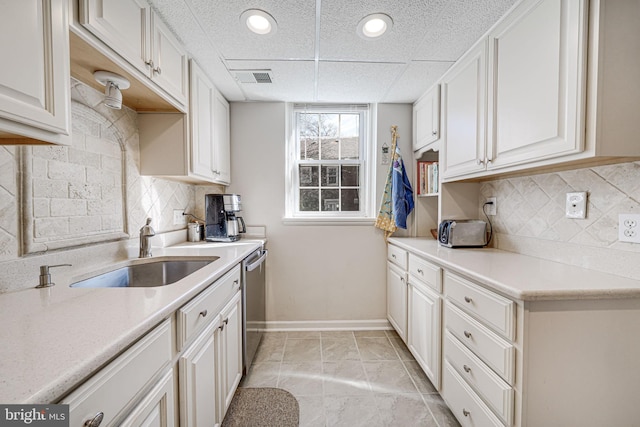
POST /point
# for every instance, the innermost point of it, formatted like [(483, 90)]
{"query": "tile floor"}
[(340, 378)]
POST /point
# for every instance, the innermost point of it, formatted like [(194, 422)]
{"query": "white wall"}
[(314, 273)]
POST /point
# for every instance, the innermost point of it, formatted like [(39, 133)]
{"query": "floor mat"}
[(262, 407)]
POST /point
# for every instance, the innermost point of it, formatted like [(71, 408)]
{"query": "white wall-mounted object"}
[(35, 101), (629, 228), (576, 205)]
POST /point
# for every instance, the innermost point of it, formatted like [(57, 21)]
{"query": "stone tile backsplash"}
[(531, 216), (88, 188)]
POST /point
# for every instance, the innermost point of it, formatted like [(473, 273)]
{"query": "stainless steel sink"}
[(148, 274)]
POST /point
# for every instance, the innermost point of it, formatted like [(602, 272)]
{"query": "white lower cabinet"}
[(143, 385), (424, 342), (197, 371), (230, 352), (397, 299), (112, 391)]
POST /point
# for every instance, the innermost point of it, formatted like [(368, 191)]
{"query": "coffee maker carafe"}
[(223, 224)]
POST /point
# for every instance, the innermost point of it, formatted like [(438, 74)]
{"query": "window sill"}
[(328, 221)]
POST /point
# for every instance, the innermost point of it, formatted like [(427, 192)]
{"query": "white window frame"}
[(366, 214)]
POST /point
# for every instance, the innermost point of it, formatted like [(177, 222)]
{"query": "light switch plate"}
[(576, 206), (629, 228), (491, 209)]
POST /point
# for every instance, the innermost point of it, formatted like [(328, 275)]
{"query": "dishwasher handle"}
[(255, 264)]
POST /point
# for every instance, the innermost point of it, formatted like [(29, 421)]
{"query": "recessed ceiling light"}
[(259, 21), (374, 25)]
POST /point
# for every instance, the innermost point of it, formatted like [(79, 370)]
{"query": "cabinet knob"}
[(467, 334), (420, 271), (393, 256), (157, 70), (466, 369), (434, 133), (149, 63), (203, 313), (95, 421), (480, 162), (465, 412), (467, 299)]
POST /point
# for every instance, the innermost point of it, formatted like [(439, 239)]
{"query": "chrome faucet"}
[(145, 246), (45, 276)]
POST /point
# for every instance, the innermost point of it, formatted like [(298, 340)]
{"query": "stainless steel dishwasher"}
[(253, 304)]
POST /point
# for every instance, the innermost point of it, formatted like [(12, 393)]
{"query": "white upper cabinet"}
[(137, 34), (463, 114), (34, 76), (426, 120), (221, 139), (201, 115), (536, 82)]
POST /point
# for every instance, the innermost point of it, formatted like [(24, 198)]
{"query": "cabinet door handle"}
[(480, 162), (467, 299), (466, 369), (203, 313), (225, 321), (420, 271), (402, 279), (467, 334), (393, 256), (434, 132), (149, 63), (157, 70), (465, 412), (95, 421)]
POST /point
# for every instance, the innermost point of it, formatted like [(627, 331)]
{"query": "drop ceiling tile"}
[(292, 80), (459, 27), (355, 81), (416, 79), (294, 39), (339, 21)]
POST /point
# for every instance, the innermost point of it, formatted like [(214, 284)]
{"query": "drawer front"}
[(426, 272), (397, 256), (493, 350), (492, 309), (114, 387), (202, 309), (496, 393), (464, 403)]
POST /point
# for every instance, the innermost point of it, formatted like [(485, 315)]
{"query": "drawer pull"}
[(203, 313), (420, 271), (95, 421), (465, 412), (393, 256), (468, 299), (466, 369), (225, 321), (235, 282), (467, 334)]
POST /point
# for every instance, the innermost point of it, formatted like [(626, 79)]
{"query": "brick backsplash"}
[(77, 193), (531, 216)]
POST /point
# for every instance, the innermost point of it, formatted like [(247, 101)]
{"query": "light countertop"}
[(523, 277), (54, 338)]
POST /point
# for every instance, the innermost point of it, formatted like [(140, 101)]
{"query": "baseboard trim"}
[(328, 325)]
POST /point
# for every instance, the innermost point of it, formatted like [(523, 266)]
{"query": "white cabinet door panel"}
[(464, 119), (397, 299), (231, 352), (221, 139), (34, 79), (424, 338), (170, 61), (122, 25), (202, 104), (536, 84)]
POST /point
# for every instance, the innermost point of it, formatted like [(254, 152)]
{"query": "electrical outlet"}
[(178, 217), (493, 208), (629, 228), (576, 206)]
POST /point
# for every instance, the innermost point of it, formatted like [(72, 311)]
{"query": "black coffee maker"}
[(222, 221)]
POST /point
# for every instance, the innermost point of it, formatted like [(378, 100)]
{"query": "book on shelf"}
[(427, 180)]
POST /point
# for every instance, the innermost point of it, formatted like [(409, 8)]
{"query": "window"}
[(329, 169)]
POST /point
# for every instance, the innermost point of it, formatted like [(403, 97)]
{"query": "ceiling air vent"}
[(253, 76)]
